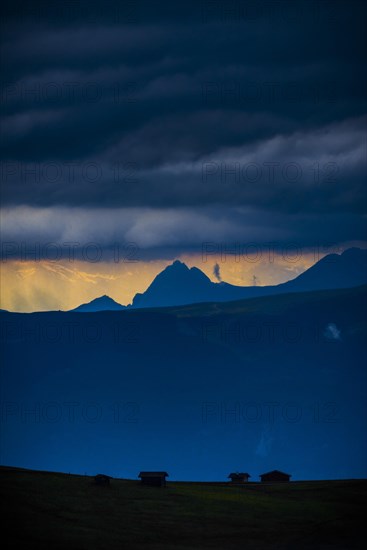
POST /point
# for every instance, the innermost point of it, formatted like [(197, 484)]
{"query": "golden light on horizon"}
[(40, 286)]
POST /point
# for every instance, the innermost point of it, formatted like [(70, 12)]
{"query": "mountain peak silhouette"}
[(333, 271), (178, 284), (177, 266), (180, 269), (103, 303)]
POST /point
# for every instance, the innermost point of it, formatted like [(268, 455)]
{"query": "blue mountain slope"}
[(176, 284), (179, 285), (333, 271), (273, 383), (103, 303)]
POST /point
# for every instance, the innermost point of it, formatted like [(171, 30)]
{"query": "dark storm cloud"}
[(153, 105), (32, 233), (310, 171)]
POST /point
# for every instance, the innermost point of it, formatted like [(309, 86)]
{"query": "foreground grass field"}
[(46, 510)]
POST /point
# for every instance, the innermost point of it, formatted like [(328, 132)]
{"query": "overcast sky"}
[(169, 126)]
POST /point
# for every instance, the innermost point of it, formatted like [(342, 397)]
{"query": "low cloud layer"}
[(332, 332), (166, 233)]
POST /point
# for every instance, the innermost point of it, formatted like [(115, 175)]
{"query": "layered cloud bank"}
[(165, 128)]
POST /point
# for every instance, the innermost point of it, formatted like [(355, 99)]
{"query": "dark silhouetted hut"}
[(156, 479), (239, 477), (102, 479), (275, 476)]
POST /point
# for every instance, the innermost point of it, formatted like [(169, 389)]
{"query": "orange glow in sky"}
[(38, 286)]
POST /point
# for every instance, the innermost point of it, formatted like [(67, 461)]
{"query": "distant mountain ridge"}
[(103, 303), (179, 285), (346, 270)]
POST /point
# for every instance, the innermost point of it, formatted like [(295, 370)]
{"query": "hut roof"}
[(153, 474), (275, 472)]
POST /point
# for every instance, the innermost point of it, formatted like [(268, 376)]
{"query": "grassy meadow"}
[(46, 510)]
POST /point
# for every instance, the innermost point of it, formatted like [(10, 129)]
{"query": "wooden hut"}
[(275, 476), (156, 479), (239, 477)]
